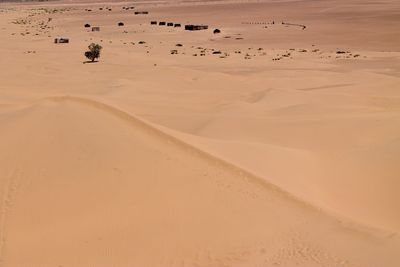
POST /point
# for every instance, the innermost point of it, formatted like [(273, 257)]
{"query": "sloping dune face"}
[(92, 186)]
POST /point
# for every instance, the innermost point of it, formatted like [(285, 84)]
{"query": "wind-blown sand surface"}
[(281, 150)]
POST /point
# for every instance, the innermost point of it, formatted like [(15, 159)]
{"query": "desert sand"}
[(267, 144)]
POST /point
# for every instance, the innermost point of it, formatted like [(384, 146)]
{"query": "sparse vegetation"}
[(94, 52)]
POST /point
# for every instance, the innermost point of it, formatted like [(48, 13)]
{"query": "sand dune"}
[(203, 212), (263, 145)]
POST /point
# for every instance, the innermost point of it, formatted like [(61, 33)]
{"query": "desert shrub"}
[(94, 52)]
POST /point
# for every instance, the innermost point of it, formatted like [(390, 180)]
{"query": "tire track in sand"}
[(9, 195)]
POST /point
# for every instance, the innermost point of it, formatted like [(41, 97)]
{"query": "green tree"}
[(94, 52)]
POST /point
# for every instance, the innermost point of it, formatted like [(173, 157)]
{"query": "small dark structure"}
[(153, 22), (121, 24), (177, 25), (61, 40), (95, 29), (191, 27), (293, 24), (87, 25), (162, 23), (217, 31), (100, 8), (141, 12), (170, 24)]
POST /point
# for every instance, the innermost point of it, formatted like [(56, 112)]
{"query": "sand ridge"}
[(166, 221)]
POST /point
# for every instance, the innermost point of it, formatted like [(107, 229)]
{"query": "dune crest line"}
[(246, 174)]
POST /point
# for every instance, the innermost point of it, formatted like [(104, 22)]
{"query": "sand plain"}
[(263, 145)]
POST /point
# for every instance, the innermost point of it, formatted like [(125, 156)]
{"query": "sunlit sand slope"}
[(91, 185)]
